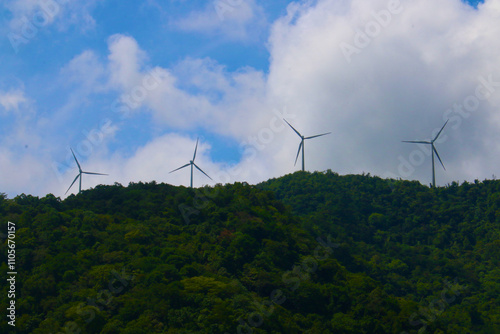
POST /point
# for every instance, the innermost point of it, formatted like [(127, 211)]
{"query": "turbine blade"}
[(93, 173), (179, 168), (202, 172), (323, 134), (416, 142), (298, 152), (74, 156), (297, 132), (196, 148), (437, 154), (76, 178), (440, 131)]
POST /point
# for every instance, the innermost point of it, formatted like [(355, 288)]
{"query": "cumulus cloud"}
[(400, 84), (408, 68), (86, 73), (25, 173), (413, 68), (17, 107), (193, 93), (11, 100), (241, 20), (27, 16), (21, 170)]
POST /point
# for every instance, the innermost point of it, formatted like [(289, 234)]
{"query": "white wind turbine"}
[(80, 173), (433, 150), (301, 146), (192, 164)]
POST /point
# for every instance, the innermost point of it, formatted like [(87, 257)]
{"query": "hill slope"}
[(315, 253), (412, 239)]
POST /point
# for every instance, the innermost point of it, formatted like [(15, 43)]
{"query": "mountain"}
[(304, 253)]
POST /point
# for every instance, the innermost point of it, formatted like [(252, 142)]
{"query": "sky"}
[(131, 85)]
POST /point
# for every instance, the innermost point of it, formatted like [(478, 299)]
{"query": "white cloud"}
[(194, 93), (27, 16), (399, 87), (11, 100), (85, 71), (160, 156), (22, 174), (422, 68), (126, 60), (241, 20), (165, 154)]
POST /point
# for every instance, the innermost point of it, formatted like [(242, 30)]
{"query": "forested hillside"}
[(305, 253)]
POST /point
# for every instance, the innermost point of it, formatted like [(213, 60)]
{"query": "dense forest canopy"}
[(304, 253)]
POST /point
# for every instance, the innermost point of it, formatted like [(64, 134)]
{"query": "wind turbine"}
[(301, 146), (192, 164), (80, 172), (433, 150)]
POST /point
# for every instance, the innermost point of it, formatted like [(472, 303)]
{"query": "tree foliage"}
[(305, 253)]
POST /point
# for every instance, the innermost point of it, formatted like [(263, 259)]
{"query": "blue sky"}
[(130, 86)]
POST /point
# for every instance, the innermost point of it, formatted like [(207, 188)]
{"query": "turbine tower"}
[(80, 172), (433, 150), (301, 146), (191, 163)]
